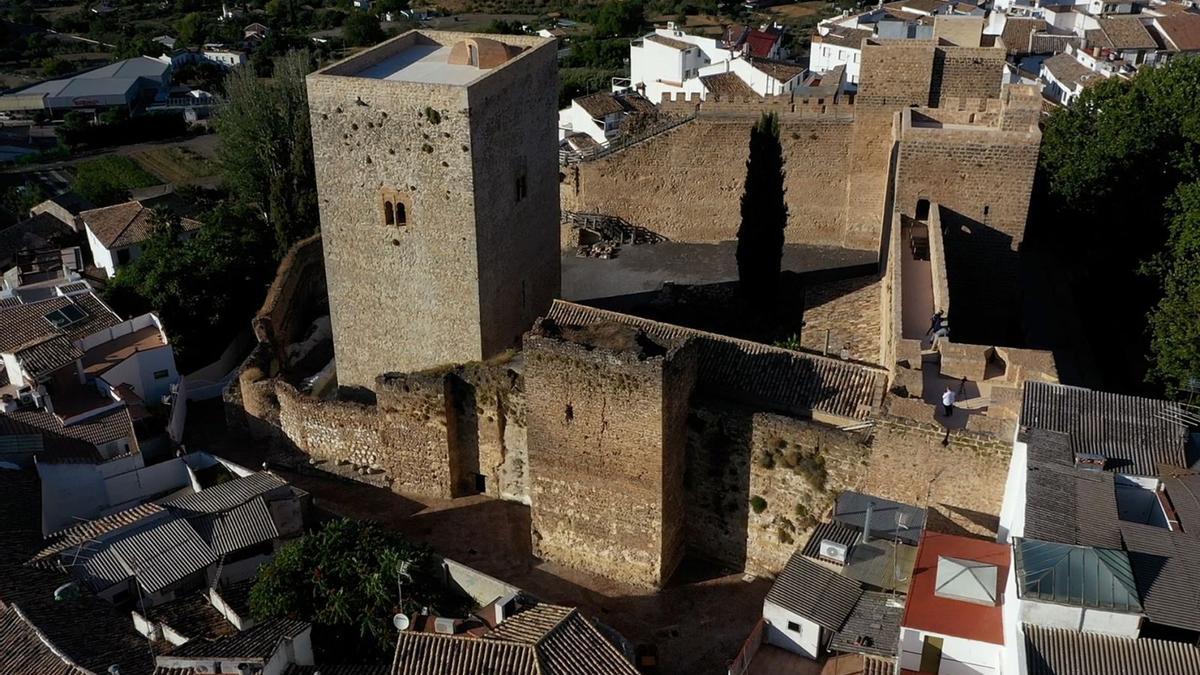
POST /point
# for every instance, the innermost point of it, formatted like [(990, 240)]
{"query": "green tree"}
[(204, 288), (1174, 324), (192, 29), (764, 213), (56, 67), (1115, 210), (361, 29), (623, 18), (266, 147), (343, 578)]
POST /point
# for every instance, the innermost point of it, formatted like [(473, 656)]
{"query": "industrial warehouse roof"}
[(815, 592), (542, 640), (112, 80), (1133, 434), (1080, 576), (1057, 651), (770, 376)]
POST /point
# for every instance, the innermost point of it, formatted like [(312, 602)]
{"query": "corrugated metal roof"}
[(226, 495), (814, 592), (432, 654), (1057, 651), (1134, 434), (836, 532), (1079, 576), (158, 554), (1166, 566), (238, 528), (93, 529), (777, 378)]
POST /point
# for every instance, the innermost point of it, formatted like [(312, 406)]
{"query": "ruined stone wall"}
[(606, 443), (686, 184), (757, 483), (407, 296)]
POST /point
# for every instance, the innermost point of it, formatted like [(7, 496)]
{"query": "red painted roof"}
[(956, 618), (760, 43)]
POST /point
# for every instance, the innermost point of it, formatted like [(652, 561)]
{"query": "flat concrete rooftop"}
[(424, 63)]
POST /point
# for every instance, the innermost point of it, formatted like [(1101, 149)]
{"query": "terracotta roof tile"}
[(669, 42), (728, 86), (125, 224), (1182, 31), (24, 649), (1126, 32), (600, 104)]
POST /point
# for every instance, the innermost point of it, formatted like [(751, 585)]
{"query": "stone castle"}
[(638, 443)]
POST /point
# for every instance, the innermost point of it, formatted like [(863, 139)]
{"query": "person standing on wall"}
[(948, 402)]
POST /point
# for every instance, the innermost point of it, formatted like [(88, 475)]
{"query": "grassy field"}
[(175, 164), (106, 180)]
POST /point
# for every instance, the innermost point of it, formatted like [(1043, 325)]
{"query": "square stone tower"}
[(606, 409), (437, 178)]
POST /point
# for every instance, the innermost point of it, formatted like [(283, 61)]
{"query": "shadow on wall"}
[(983, 273), (717, 484)]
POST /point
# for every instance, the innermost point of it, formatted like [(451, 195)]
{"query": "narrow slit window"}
[(401, 216), (389, 216)]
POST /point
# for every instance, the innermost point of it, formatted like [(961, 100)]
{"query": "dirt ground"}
[(698, 623), (797, 10)]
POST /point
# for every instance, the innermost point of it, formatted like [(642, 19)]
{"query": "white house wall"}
[(1079, 618), (101, 256), (825, 57), (807, 642), (1012, 508), (959, 656), (138, 372)]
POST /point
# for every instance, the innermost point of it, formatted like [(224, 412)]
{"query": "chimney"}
[(866, 536)]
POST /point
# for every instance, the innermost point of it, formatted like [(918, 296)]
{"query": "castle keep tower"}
[(437, 177)]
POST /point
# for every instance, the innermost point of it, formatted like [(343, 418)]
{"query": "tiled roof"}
[(226, 495), (125, 224), (24, 325), (873, 626), (781, 71), (1182, 30), (47, 354), (541, 640), (1067, 70), (1079, 576), (35, 232), (25, 650), (1126, 32), (1058, 651), (192, 616), (1166, 565), (600, 104), (831, 531), (258, 642), (770, 376), (669, 42), (43, 433), (1017, 34), (326, 669), (240, 527), (760, 43), (848, 38), (106, 427), (1134, 434), (1070, 506), (1183, 489), (728, 85), (88, 630), (815, 592)]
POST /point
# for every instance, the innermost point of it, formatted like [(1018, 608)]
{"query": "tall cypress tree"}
[(764, 213)]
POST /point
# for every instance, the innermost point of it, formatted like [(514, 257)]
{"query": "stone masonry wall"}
[(606, 445), (407, 296), (686, 184)]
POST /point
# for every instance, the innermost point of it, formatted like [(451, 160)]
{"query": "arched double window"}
[(395, 209)]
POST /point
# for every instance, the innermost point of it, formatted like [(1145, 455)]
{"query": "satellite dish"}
[(400, 621)]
